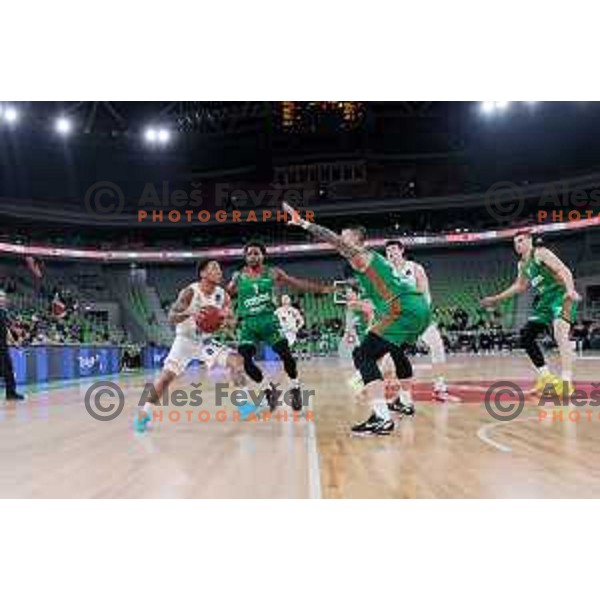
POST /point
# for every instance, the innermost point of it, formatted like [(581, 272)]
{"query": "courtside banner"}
[(38, 364)]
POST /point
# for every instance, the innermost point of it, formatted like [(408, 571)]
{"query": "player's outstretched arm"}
[(348, 250), (561, 270), (305, 285), (518, 287), (178, 311), (231, 287)]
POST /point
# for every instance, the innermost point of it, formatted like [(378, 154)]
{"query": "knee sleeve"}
[(365, 359), (289, 362), (248, 352), (529, 334), (403, 367)]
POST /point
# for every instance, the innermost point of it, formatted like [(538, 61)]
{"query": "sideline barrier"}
[(38, 364)]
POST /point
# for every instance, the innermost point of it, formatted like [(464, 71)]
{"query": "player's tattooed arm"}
[(358, 257), (558, 267), (178, 311), (306, 285)]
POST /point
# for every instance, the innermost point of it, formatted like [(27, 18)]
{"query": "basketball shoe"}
[(374, 425), (141, 420), (403, 405), (544, 380)]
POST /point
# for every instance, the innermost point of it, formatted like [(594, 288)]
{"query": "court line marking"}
[(314, 467), (482, 433)]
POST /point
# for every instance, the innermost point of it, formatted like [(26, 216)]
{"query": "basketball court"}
[(51, 447)]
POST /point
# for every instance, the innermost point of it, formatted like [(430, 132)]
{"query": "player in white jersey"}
[(190, 343), (290, 318), (415, 273)]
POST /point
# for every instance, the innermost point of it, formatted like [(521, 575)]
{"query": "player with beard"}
[(402, 314), (254, 288)]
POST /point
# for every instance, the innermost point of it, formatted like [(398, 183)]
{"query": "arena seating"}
[(144, 294)]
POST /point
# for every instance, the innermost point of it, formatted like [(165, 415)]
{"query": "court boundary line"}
[(314, 463), (482, 432)]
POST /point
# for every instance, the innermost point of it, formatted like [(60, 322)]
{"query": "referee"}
[(6, 368)]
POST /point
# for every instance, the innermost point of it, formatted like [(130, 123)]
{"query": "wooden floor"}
[(51, 448)]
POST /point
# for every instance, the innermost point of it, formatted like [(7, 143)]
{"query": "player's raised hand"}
[(295, 218)]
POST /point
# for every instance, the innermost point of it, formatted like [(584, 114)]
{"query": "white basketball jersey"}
[(408, 272), (289, 317), (188, 327)]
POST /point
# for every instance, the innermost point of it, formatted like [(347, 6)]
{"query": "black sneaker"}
[(15, 396), (271, 397), (374, 425), (398, 406), (296, 395)]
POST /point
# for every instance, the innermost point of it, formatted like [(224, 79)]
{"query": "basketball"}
[(209, 319)]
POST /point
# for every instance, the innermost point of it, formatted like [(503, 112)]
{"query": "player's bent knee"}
[(366, 365), (285, 354), (404, 369), (247, 353), (529, 333)]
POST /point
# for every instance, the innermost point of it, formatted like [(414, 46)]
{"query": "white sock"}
[(295, 383), (406, 398), (543, 370), (567, 376), (380, 408), (149, 407)]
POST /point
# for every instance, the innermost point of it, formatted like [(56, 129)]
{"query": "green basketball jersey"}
[(255, 295), (380, 284), (542, 279)]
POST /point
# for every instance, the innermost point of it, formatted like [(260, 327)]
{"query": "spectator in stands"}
[(6, 367)]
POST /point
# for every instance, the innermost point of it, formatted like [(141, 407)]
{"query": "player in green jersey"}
[(254, 289), (554, 306), (401, 315)]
